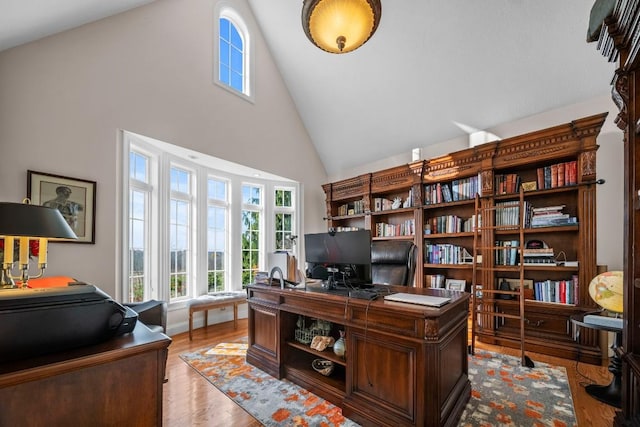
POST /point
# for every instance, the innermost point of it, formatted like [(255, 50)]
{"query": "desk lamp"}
[(23, 222)]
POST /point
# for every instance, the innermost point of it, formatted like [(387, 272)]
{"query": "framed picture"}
[(74, 198), (514, 284), (455, 285)]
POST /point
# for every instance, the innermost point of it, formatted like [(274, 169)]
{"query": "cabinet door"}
[(264, 338)]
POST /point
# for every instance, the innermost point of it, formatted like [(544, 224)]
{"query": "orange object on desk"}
[(50, 282)]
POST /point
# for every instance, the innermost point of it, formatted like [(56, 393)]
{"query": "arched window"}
[(233, 59)]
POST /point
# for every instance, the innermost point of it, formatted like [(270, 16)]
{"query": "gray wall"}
[(64, 98)]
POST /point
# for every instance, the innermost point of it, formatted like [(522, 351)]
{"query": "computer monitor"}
[(344, 257)]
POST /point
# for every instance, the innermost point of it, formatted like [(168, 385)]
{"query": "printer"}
[(37, 321)]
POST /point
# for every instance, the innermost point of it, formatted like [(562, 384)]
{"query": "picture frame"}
[(455, 285), (514, 284), (75, 198)]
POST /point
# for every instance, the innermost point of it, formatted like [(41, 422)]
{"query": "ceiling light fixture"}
[(340, 26)]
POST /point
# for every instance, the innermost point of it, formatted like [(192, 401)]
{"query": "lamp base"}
[(6, 282)]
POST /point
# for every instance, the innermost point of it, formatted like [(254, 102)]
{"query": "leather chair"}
[(393, 262), (152, 313)]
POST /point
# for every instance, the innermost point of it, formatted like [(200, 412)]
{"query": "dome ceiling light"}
[(340, 26)]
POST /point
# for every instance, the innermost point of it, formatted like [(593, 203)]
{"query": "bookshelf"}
[(440, 206)]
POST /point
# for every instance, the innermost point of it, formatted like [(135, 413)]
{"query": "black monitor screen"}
[(346, 251)]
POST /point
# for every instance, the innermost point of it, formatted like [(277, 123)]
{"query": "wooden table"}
[(405, 364), (115, 383)]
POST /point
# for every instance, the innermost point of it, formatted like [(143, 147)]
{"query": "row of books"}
[(406, 228), (446, 253), (434, 280), (507, 183), (557, 175), (508, 214), (448, 224), (351, 208), (558, 291), (506, 252), (458, 189)]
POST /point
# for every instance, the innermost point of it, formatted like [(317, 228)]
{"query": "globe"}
[(606, 290)]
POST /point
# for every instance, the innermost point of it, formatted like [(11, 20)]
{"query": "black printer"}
[(48, 320)]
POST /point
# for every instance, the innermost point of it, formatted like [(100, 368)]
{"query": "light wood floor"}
[(190, 400)]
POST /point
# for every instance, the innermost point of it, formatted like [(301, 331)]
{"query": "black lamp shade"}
[(23, 219)]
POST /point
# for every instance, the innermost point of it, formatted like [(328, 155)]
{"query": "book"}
[(540, 178), (446, 193), (554, 176), (560, 178)]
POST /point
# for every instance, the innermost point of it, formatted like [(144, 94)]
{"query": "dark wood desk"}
[(115, 383), (405, 364)]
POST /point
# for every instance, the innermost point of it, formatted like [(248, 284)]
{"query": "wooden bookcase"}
[(443, 192), (618, 39)]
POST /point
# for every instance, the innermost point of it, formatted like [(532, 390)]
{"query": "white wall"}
[(64, 98), (609, 198)]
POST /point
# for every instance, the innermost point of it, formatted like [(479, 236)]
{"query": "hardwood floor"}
[(190, 400)]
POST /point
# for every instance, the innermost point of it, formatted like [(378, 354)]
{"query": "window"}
[(139, 195), (190, 228), (233, 58), (284, 219), (217, 211), (251, 236), (180, 271)]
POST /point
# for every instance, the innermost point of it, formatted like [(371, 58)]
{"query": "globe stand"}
[(610, 394)]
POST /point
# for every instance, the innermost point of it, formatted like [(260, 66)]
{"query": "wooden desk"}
[(115, 383), (405, 365)]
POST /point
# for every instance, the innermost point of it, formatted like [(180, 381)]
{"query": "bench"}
[(215, 300)]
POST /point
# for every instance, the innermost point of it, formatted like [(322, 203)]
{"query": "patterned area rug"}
[(503, 392)]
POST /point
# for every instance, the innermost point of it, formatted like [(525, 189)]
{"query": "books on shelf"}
[(507, 183), (445, 253), (537, 256), (456, 190), (551, 216), (557, 291), (557, 175), (351, 208), (405, 228), (506, 252), (508, 214), (434, 280), (448, 224)]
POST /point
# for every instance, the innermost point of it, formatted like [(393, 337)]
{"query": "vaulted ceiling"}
[(430, 64)]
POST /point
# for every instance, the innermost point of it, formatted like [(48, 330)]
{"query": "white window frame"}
[(284, 210), (262, 252), (220, 204), (190, 199), (162, 156), (224, 10)]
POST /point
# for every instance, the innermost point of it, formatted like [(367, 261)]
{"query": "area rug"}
[(503, 392)]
